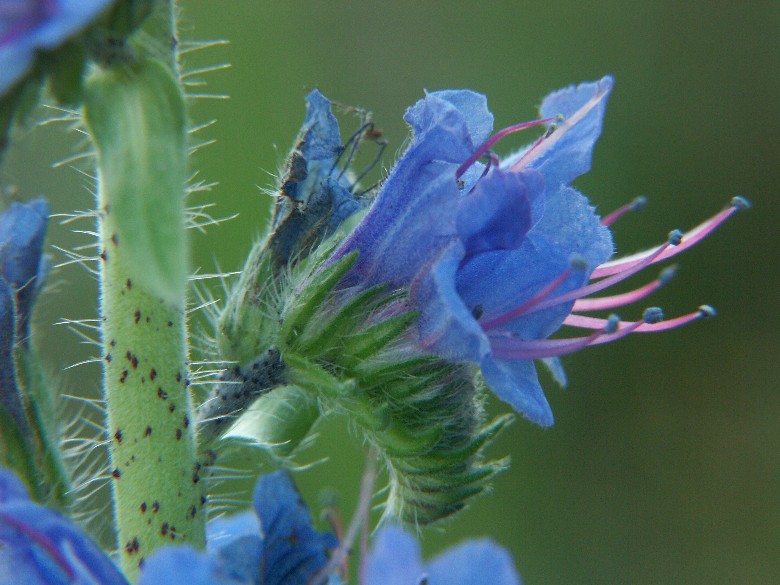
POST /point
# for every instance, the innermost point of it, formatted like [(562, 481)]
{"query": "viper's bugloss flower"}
[(498, 256), (40, 547), (273, 545), (396, 560), (28, 26)]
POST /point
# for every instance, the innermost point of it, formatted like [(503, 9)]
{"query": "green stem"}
[(136, 117)]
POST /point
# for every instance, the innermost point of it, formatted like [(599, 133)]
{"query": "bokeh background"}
[(663, 464)]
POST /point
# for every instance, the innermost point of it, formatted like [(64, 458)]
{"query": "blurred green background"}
[(663, 465)]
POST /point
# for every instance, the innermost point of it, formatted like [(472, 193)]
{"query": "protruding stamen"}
[(577, 263), (513, 348), (638, 204), (594, 287), (691, 238), (653, 322), (487, 145), (610, 302)]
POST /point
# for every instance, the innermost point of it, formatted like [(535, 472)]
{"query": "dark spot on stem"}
[(118, 436), (162, 394), (129, 284), (143, 508), (116, 473), (155, 506), (123, 377), (152, 374), (137, 316), (148, 432)]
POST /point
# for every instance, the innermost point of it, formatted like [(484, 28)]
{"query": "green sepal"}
[(375, 338), (346, 320), (135, 114), (399, 442), (308, 375), (302, 308)]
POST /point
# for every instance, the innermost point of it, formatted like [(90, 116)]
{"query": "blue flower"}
[(28, 26), (23, 266), (40, 547), (22, 271), (395, 560), (496, 256), (315, 194), (274, 544)]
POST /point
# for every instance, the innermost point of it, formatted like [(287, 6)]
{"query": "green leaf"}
[(136, 117)]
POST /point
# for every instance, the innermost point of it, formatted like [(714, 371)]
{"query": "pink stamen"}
[(511, 348), (518, 166), (691, 238), (610, 302), (495, 138), (636, 205), (567, 125), (584, 322)]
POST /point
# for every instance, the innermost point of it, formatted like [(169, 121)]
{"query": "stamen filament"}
[(636, 205), (612, 301), (512, 348), (503, 318), (691, 238), (581, 321), (495, 138)]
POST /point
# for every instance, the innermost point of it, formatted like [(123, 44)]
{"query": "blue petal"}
[(11, 488), (33, 29), (516, 383), (183, 565), (394, 559), (496, 215), (571, 154), (46, 546), (413, 217), (504, 279), (22, 232), (321, 136), (473, 106), (475, 562), (446, 325), (293, 550), (236, 545)]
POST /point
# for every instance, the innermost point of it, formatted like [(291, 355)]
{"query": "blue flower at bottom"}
[(273, 545), (395, 560), (27, 26), (40, 547)]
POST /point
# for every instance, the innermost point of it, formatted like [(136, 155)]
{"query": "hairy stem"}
[(135, 114)]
